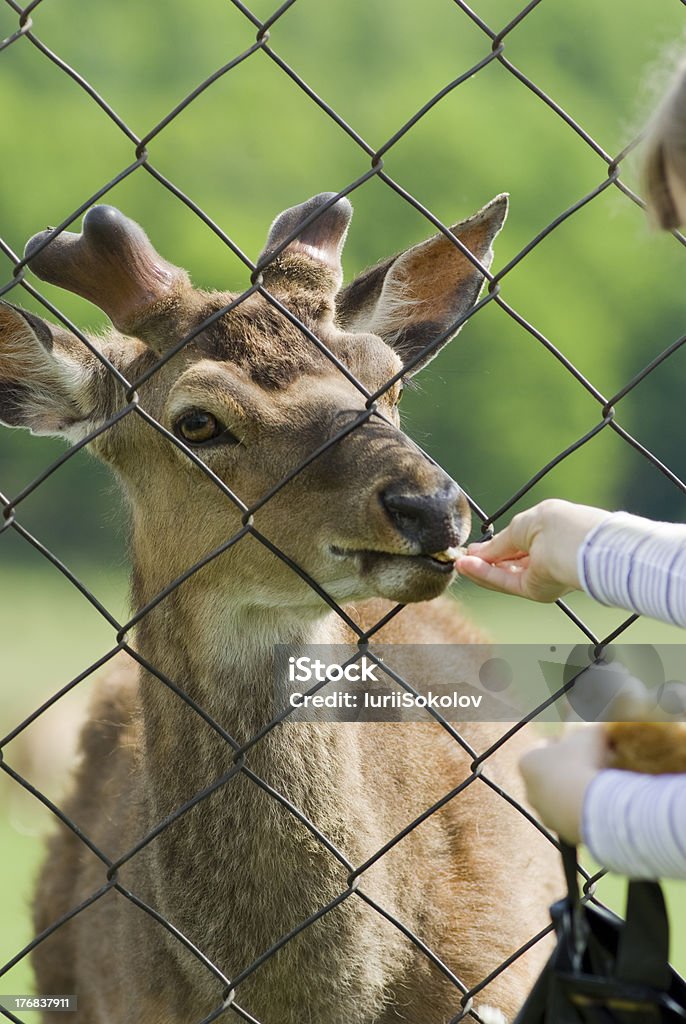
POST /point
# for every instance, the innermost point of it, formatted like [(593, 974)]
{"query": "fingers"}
[(534, 760), (512, 542), (586, 744), (506, 580), (498, 547), (579, 747), (515, 577)]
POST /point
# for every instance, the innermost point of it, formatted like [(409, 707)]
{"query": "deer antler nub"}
[(112, 264)]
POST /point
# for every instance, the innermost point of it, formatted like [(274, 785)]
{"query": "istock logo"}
[(487, 683), (307, 670)]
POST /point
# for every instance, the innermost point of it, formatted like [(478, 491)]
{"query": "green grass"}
[(49, 633), (20, 855)]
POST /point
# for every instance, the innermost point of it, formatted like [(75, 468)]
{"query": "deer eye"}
[(199, 427)]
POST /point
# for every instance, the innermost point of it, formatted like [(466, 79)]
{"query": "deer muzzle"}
[(432, 523)]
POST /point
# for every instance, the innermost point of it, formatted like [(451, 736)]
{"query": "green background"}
[(493, 408)]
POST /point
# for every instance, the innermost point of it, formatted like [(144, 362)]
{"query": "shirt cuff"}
[(635, 824), (634, 563)]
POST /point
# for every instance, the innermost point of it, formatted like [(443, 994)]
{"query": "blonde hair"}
[(666, 146)]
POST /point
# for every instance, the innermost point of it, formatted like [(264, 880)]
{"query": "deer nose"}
[(433, 521)]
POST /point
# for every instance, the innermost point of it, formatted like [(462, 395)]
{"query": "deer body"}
[(369, 518), (238, 873)]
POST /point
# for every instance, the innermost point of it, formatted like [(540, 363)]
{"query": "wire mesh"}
[(609, 168)]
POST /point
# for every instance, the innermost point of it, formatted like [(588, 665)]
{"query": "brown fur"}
[(652, 747), (664, 156), (453, 904), (238, 871)]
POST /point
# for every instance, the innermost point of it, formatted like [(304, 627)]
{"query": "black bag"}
[(605, 970)]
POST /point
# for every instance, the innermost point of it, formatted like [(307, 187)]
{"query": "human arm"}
[(632, 823)]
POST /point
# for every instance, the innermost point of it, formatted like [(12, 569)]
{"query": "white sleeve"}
[(637, 564), (635, 824)]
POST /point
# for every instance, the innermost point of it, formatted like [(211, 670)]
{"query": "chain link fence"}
[(607, 419)]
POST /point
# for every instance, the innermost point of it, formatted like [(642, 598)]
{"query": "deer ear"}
[(410, 299), (49, 382)]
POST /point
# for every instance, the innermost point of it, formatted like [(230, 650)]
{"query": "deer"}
[(370, 522)]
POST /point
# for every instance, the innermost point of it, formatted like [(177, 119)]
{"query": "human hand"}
[(557, 775), (535, 555)]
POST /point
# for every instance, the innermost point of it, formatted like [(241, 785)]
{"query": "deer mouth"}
[(439, 562)]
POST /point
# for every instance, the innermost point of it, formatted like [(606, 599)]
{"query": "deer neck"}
[(271, 871), (221, 655)]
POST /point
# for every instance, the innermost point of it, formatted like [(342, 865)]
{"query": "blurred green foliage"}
[(495, 406)]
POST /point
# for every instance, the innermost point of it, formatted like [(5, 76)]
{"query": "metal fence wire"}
[(609, 167)]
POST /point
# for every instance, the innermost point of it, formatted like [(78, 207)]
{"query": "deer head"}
[(253, 397)]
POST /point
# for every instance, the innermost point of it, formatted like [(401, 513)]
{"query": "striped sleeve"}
[(636, 824), (637, 564)]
